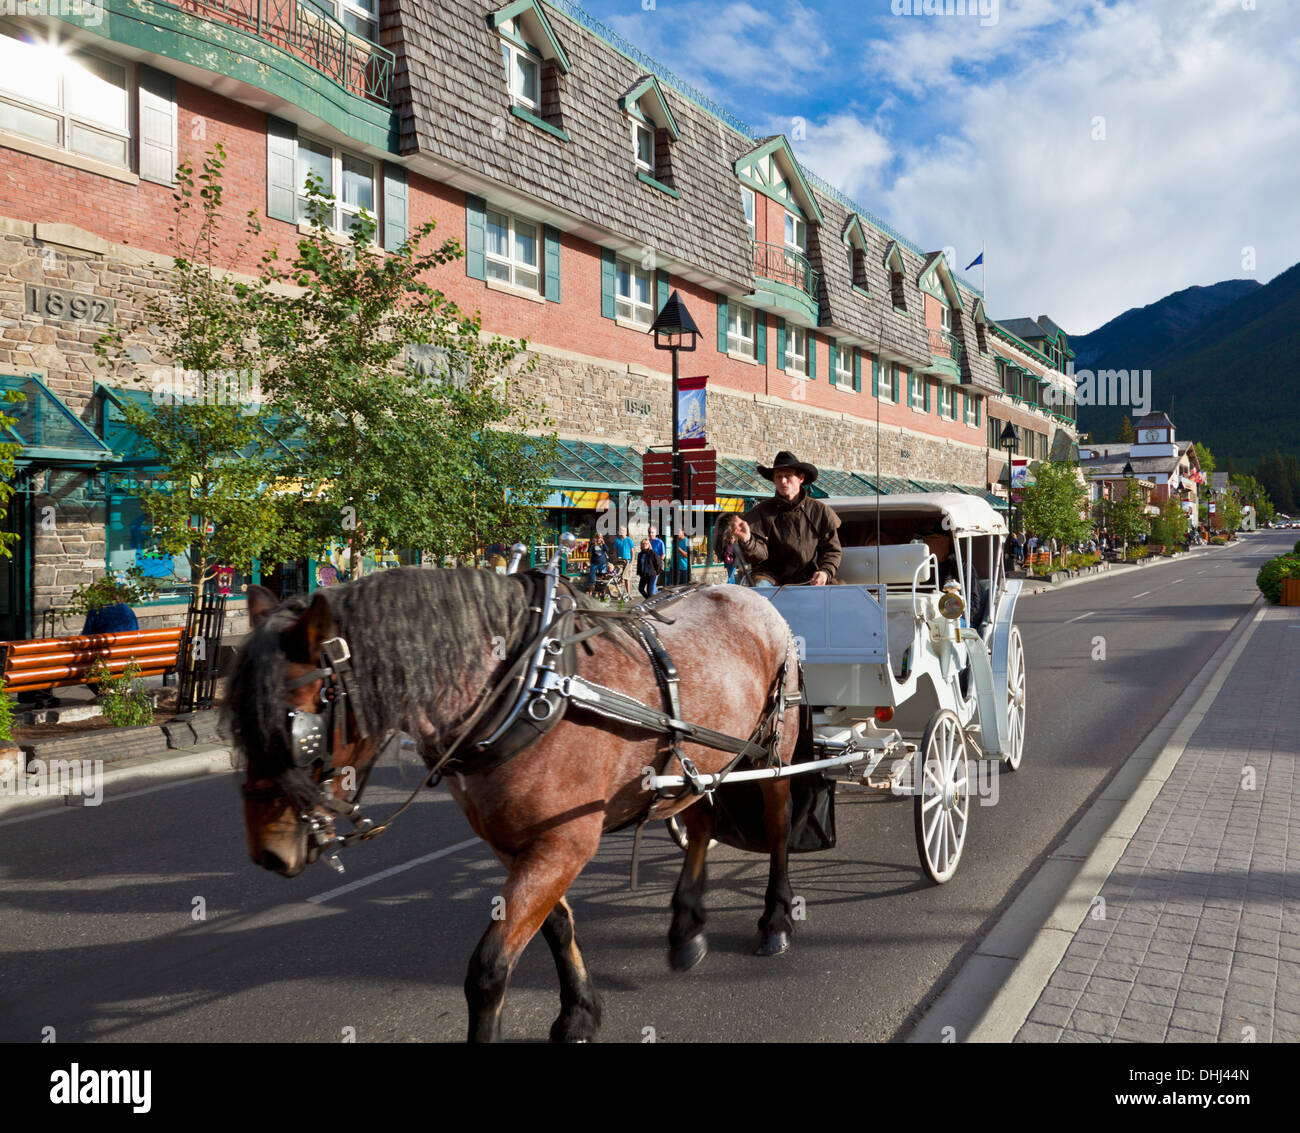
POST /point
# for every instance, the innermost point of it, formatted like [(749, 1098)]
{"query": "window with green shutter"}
[(663, 290), (812, 356), (395, 207), (760, 334), (722, 324), (926, 382), (857, 371), (475, 237), (830, 373), (780, 343), (551, 262), (875, 376), (281, 169), (608, 283)]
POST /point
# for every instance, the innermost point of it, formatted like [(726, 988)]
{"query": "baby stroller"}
[(611, 583)]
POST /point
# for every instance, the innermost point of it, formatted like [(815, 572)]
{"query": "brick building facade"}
[(584, 182)]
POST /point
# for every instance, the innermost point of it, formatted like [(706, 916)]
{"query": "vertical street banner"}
[(1019, 471), (690, 412)]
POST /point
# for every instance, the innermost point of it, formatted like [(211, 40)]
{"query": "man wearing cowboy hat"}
[(791, 537)]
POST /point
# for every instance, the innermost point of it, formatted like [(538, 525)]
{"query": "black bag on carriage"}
[(738, 808)]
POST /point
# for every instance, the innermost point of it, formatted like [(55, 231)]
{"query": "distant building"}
[(1163, 466)]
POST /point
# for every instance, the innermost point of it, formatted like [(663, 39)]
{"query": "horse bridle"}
[(311, 745)]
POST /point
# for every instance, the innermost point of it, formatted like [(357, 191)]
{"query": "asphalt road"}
[(100, 937)]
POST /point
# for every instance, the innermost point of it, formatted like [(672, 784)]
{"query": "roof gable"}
[(774, 171), (524, 23), (646, 102)]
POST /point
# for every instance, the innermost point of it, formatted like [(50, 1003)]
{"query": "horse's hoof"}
[(683, 957), (772, 943)]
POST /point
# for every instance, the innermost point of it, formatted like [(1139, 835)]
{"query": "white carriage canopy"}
[(965, 515)]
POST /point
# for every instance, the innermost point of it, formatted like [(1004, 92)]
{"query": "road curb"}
[(146, 771), (1033, 587), (996, 988)]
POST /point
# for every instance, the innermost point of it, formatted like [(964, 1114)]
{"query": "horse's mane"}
[(415, 635)]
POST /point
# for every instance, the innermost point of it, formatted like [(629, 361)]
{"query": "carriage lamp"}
[(951, 604), (517, 553)]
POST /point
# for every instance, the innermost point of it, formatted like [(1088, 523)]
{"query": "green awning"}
[(49, 432)]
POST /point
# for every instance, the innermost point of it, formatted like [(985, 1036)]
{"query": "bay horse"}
[(427, 648)]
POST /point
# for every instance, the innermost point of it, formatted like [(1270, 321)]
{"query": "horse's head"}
[(298, 730)]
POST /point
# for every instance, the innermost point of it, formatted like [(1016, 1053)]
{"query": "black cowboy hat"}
[(789, 460)]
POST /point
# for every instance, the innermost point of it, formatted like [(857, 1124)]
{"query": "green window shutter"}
[(722, 324), (780, 343), (830, 374), (857, 370), (475, 237), (910, 390), (977, 409), (551, 253), (281, 169), (875, 376), (760, 337), (157, 126), (897, 383), (395, 205), (665, 290), (812, 356), (608, 283), (926, 382)]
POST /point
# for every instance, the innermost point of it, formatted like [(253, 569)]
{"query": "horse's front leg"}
[(539, 877), (687, 945), (775, 925), (579, 1018)]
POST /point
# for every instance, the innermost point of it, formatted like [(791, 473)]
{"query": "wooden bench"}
[(46, 663)]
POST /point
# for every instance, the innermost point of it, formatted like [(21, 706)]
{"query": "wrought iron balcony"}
[(945, 345), (785, 265), (310, 33)]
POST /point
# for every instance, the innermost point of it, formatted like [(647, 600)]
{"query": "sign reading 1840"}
[(74, 306)]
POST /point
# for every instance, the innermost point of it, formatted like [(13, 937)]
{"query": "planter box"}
[(1291, 591)]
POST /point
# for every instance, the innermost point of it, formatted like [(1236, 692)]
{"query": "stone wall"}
[(587, 397)]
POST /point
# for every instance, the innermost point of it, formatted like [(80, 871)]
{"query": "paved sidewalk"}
[(1196, 936)]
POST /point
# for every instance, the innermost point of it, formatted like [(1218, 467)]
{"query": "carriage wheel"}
[(1015, 701), (943, 797)]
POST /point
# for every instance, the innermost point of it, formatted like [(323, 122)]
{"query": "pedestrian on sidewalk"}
[(624, 548), (728, 556), (683, 563), (648, 567), (657, 546)]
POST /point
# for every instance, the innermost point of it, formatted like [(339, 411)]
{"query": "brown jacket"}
[(791, 542)]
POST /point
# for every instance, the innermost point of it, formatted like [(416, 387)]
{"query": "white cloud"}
[(1201, 124)]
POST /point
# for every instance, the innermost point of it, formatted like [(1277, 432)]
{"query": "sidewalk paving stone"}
[(1201, 940)]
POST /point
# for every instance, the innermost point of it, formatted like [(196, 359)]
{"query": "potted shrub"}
[(106, 603)]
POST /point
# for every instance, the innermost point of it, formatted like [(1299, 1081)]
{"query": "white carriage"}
[(906, 687)]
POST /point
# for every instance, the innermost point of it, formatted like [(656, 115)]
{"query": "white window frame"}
[(512, 54), (948, 401), (637, 127), (737, 342), (628, 306), (843, 373), (945, 317), (749, 206), (361, 11), (799, 226), (511, 260), (796, 359), (66, 119), (916, 384), (343, 214)]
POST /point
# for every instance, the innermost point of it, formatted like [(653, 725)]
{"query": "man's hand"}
[(821, 578), (741, 528)]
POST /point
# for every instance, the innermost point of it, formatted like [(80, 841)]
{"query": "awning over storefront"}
[(49, 432)]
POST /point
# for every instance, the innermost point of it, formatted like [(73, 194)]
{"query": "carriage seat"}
[(898, 564)]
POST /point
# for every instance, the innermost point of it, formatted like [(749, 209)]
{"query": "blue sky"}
[(1106, 153)]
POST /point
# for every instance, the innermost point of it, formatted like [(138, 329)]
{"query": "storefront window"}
[(130, 541)]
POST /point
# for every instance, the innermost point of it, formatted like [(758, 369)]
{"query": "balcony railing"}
[(944, 345), (311, 34), (785, 265)]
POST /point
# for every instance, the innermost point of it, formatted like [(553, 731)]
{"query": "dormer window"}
[(523, 75), (747, 198), (643, 146), (945, 318), (894, 265), (654, 130)]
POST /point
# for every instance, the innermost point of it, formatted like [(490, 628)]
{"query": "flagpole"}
[(984, 279)]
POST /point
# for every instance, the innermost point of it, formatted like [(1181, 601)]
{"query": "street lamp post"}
[(1009, 440), (675, 330), (1127, 473)]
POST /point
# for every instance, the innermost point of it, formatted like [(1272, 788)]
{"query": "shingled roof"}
[(454, 106)]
